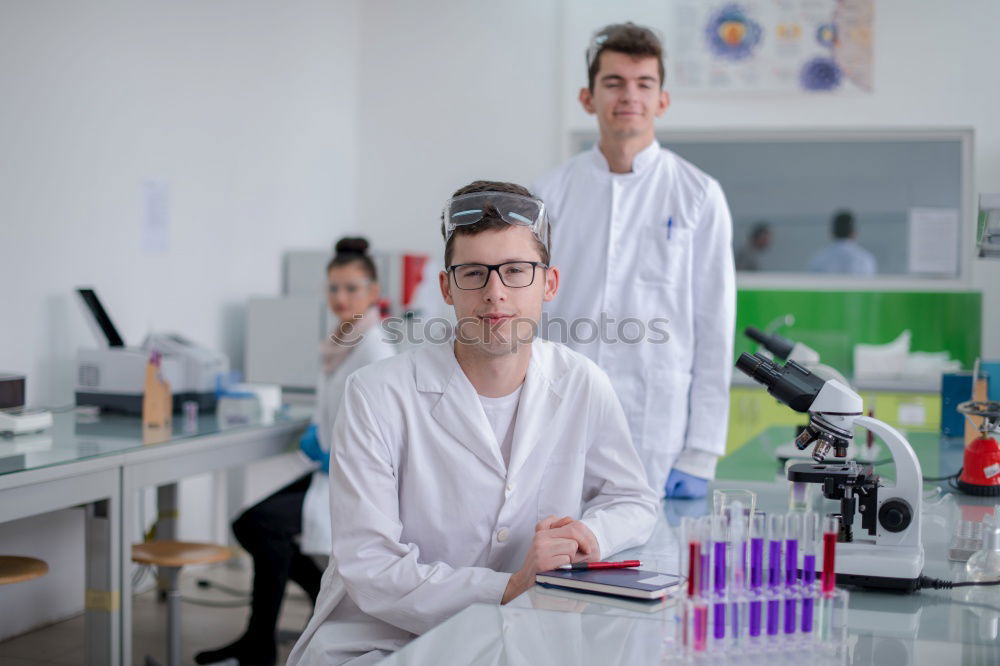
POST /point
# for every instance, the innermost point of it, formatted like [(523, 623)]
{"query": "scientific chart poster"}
[(822, 46)]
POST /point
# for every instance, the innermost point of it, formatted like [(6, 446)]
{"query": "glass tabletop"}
[(78, 435), (484, 634)]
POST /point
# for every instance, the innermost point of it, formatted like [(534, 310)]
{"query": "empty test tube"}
[(738, 545), (737, 574)]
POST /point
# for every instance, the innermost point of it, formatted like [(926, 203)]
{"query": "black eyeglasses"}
[(514, 274)]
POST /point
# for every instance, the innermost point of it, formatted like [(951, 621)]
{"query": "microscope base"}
[(879, 567)]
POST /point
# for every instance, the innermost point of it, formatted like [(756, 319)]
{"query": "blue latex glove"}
[(309, 444), (684, 486)]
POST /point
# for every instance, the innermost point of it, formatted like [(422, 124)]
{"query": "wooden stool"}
[(170, 556), (15, 569)]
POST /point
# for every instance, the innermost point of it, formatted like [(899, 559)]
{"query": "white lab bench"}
[(102, 465)]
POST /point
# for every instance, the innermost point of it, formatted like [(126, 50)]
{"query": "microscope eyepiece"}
[(791, 384), (759, 368), (776, 344)]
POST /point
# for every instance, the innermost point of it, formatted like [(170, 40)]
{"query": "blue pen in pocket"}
[(670, 226)]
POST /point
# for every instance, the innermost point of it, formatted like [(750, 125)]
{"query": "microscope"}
[(886, 551)]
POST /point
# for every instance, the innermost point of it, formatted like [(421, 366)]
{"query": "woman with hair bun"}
[(270, 530)]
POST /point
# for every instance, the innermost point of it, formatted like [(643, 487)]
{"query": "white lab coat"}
[(427, 519), (329, 394), (653, 243)]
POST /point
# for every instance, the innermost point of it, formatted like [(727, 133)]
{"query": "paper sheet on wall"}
[(933, 241)]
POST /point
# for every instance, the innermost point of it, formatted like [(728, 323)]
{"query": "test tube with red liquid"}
[(831, 528)]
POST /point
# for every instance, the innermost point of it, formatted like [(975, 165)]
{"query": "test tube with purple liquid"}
[(775, 535), (719, 544), (793, 533), (810, 540), (758, 528)]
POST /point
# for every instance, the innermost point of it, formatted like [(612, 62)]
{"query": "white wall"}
[(247, 110), (451, 91)]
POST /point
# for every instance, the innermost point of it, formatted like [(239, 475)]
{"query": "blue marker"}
[(670, 225)]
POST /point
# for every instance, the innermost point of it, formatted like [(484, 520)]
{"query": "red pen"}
[(579, 566)]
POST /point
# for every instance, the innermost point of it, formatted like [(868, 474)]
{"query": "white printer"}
[(112, 377)]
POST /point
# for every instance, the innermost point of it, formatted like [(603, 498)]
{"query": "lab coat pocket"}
[(663, 254)]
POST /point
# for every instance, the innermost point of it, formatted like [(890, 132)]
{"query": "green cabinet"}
[(752, 410)]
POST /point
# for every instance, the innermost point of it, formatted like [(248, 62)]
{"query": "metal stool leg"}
[(173, 595), (173, 616)]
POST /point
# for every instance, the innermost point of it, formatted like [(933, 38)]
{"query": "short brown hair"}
[(628, 38), (490, 221)]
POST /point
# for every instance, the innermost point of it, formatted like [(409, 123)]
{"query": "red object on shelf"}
[(413, 273)]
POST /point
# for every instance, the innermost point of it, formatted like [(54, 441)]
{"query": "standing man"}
[(640, 233)]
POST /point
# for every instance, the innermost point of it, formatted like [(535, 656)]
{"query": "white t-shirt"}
[(502, 414)]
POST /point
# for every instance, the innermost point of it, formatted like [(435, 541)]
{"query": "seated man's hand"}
[(557, 541), (566, 527), (681, 485)]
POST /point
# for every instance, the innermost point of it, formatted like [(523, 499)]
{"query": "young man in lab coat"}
[(461, 470), (641, 233)]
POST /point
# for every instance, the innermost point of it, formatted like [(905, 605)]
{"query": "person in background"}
[(844, 255), (461, 470), (759, 240), (269, 530), (642, 234)]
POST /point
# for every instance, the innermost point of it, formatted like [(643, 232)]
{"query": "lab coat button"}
[(502, 534), (510, 487)]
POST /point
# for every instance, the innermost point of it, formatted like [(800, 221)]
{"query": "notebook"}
[(609, 600), (634, 583)]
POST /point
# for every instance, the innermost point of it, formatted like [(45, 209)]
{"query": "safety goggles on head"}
[(600, 37), (514, 209)]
